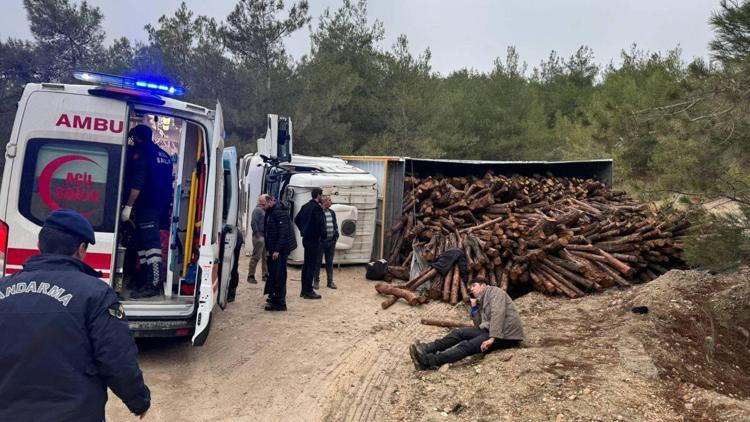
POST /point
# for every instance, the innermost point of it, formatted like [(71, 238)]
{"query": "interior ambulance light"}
[(155, 87)]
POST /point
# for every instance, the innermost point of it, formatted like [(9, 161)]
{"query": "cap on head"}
[(141, 132), (71, 222)]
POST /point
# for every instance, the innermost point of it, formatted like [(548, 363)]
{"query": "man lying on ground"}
[(497, 326)]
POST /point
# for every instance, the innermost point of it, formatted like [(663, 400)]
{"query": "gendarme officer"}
[(63, 335)]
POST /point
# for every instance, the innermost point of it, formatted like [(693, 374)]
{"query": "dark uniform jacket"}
[(150, 171), (63, 340), (311, 222), (279, 236)]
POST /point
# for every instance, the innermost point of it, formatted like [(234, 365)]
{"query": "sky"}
[(461, 33)]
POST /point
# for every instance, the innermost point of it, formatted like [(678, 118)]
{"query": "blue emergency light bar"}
[(155, 87)]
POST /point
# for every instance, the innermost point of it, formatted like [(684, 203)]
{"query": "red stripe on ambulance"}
[(98, 261)]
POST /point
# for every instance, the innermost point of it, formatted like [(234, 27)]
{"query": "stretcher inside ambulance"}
[(69, 149)]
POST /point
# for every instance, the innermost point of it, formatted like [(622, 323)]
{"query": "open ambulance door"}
[(208, 289), (229, 223)]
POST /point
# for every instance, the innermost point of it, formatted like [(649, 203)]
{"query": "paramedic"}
[(280, 242), (497, 326), (63, 335), (149, 191), (312, 226)]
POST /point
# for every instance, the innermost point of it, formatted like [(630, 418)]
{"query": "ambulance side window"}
[(219, 200), (227, 195), (70, 174)]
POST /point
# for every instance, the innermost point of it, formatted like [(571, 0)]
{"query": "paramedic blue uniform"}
[(63, 340), (150, 171)]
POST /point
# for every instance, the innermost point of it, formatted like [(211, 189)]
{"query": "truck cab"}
[(274, 170), (68, 149)]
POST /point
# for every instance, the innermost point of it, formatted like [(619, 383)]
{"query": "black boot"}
[(421, 361), (148, 291), (331, 285), (425, 348), (309, 295)]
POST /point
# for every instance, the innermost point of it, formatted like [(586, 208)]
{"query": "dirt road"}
[(316, 361), (344, 359)]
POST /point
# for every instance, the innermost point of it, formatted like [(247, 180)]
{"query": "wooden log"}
[(454, 287), (387, 289), (389, 302), (483, 225), (426, 275), (400, 272), (582, 281), (612, 273), (463, 290), (446, 323), (560, 280)]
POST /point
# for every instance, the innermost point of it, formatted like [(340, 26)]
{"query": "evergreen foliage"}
[(673, 128)]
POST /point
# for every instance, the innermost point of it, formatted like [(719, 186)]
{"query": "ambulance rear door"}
[(209, 261), (65, 152), (229, 223)]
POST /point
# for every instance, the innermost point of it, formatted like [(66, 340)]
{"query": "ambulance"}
[(68, 150)]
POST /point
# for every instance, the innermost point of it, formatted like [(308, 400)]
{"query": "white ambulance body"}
[(68, 150)]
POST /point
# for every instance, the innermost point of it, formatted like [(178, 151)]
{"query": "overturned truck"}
[(558, 228)]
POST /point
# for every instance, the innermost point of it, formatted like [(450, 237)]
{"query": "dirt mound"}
[(699, 338)]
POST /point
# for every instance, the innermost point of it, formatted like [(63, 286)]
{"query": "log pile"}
[(558, 235)]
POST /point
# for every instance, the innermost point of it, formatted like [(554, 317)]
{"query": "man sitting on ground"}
[(497, 326)]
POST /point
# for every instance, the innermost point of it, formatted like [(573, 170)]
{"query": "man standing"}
[(328, 245), (259, 251), (311, 224), (63, 335), (280, 242), (497, 326), (149, 191)]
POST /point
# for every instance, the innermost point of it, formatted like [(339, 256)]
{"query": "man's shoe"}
[(275, 308), (316, 285), (252, 280), (421, 348), (146, 292), (310, 295), (420, 363), (331, 285)]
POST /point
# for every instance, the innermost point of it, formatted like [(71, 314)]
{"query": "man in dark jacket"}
[(311, 224), (63, 335), (149, 191), (280, 242), (497, 326), (327, 246)]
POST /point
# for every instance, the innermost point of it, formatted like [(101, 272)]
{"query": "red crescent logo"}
[(45, 180)]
